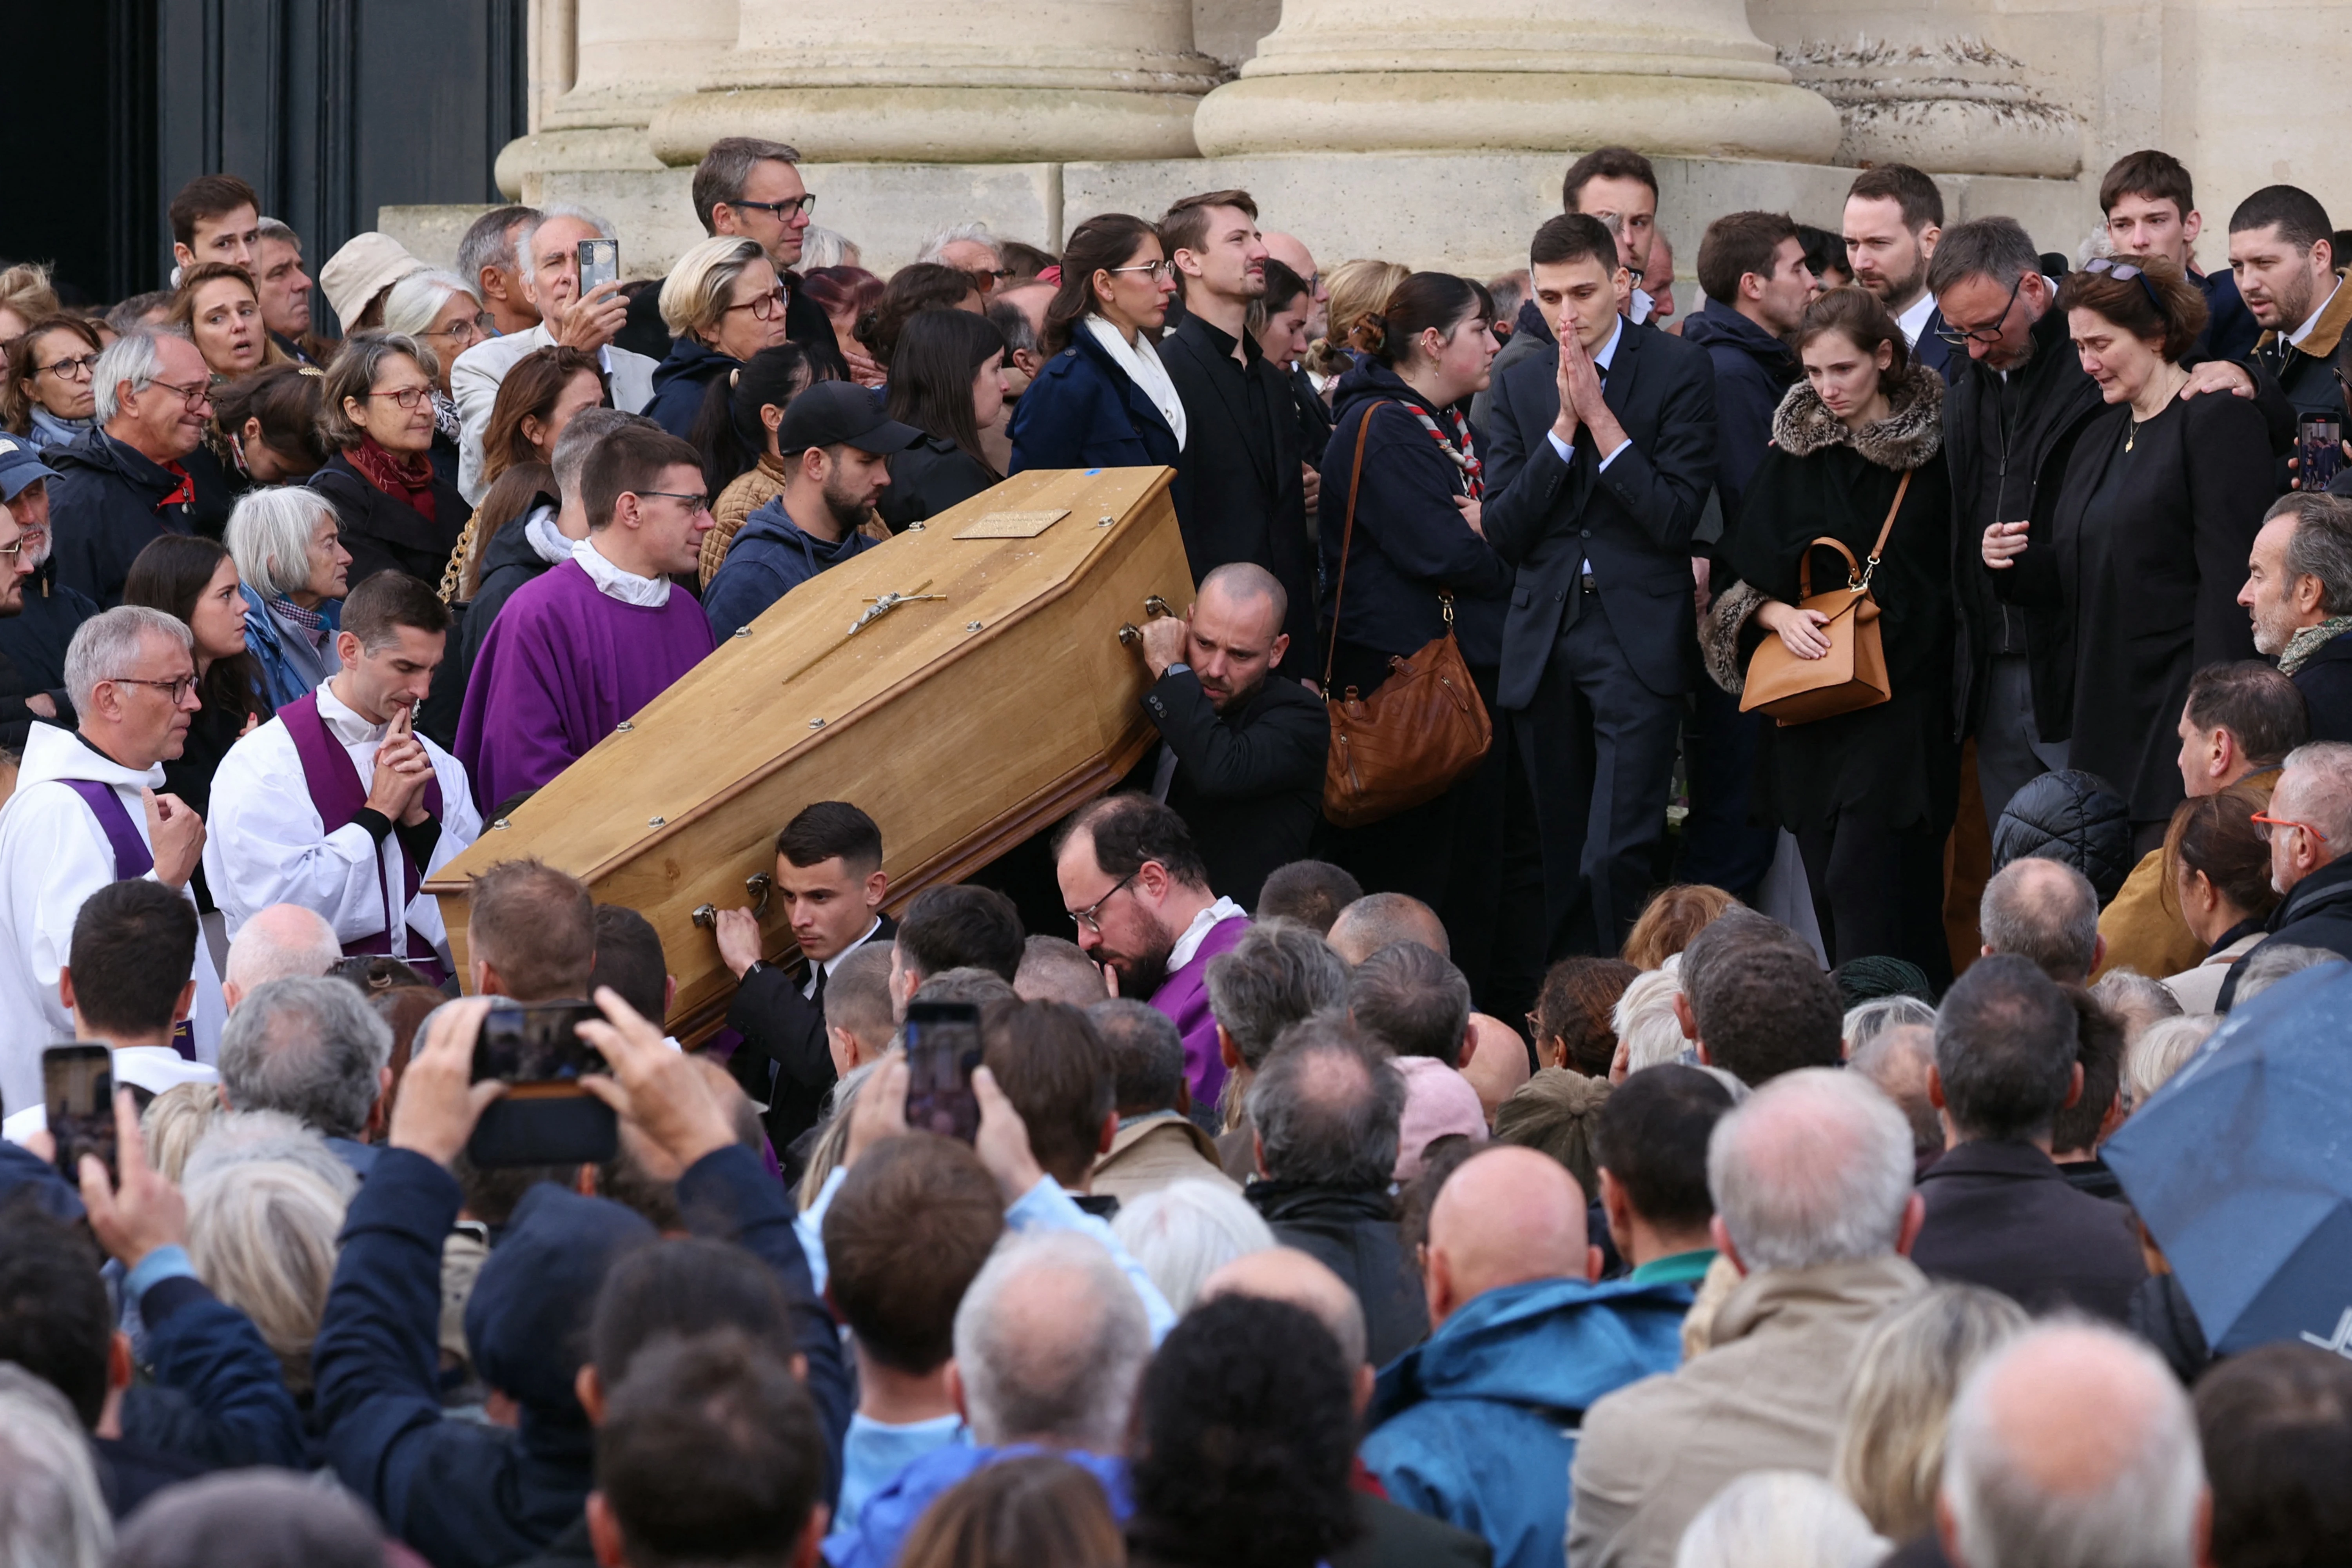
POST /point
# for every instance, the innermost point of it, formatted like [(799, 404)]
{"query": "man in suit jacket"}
[(829, 875), (2000, 1214), (1240, 488), (1242, 749), (1602, 454), (1894, 215)]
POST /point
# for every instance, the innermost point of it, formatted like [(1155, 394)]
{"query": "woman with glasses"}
[(399, 513), (442, 312), (1104, 400), (2149, 544), (722, 303), (948, 381), (49, 395)]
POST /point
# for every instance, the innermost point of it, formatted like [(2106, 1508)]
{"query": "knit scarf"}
[(1460, 447), (408, 480), (2308, 641)]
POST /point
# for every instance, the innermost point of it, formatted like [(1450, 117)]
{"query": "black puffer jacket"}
[(2073, 816), (1354, 1233)]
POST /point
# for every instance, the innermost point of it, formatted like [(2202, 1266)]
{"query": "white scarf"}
[(546, 539), (1143, 367), (650, 593)]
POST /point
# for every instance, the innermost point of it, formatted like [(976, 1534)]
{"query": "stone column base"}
[(934, 124), (525, 163)]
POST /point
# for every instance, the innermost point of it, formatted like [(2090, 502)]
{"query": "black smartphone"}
[(942, 1049), (537, 1049), (599, 262), (544, 1118), (2318, 450), (77, 1082)]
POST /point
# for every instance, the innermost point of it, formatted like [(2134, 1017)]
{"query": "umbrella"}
[(2241, 1167)]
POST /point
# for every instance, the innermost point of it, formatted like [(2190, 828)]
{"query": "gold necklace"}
[(2132, 435)]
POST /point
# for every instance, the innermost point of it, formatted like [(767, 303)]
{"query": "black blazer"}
[(1249, 781), (2325, 681), (1239, 499), (783, 1061), (1633, 522), (388, 535), (2005, 1216)]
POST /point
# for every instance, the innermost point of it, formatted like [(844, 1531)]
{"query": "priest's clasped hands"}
[(403, 769)]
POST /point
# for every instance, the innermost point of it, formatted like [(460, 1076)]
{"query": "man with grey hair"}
[(2309, 825), (2072, 1447), (1376, 919), (120, 485), (284, 942), (2046, 912), (89, 809), (547, 251), (486, 259), (967, 248), (2015, 409), (1157, 1142), (285, 290), (315, 1050), (1050, 1346), (1279, 973), (2299, 592), (1811, 1183), (1898, 1058), (1326, 1111)]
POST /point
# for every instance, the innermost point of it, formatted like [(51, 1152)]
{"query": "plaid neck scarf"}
[(1459, 446), (287, 610)]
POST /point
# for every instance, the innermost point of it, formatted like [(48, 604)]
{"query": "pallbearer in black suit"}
[(1242, 749), (1602, 451), (1239, 488), (829, 875)]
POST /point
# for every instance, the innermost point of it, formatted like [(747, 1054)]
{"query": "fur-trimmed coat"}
[(1823, 481)]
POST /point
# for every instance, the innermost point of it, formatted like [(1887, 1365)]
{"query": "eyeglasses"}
[(695, 503), (989, 279), (76, 369), (2122, 272), (1962, 337), (765, 307), (783, 210), (408, 397), (1158, 270), (193, 396), (2263, 822), (459, 331), (179, 687), (1091, 916)]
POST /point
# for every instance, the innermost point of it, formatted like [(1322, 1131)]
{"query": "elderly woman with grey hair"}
[(444, 312), (293, 571)]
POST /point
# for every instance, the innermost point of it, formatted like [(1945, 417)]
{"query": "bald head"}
[(1291, 251), (284, 942), (1050, 1340), (1814, 1169), (1504, 1218), (2074, 1444), (1244, 588), (1497, 1066), (1288, 1274), (1376, 919), (2045, 910)]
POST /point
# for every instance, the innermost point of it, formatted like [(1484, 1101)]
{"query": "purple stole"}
[(133, 860), (339, 794)]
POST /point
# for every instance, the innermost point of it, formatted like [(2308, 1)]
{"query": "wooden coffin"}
[(962, 722)]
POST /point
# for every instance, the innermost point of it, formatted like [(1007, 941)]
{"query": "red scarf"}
[(409, 481), (183, 493)]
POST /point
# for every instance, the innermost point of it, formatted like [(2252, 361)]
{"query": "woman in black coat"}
[(398, 514), (1415, 559), (2162, 500), (1869, 794), (1102, 399), (947, 380)]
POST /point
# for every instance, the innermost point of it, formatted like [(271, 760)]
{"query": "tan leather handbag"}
[(1852, 675), (1422, 730)]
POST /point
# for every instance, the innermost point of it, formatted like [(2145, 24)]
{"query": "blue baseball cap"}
[(20, 465)]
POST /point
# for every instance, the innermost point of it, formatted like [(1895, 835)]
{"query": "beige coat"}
[(1151, 1155), (2199, 988), (1769, 1395)]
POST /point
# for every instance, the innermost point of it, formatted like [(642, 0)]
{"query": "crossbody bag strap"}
[(1346, 541), (1884, 529)]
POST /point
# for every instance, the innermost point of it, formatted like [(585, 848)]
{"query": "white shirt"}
[(648, 593), (2304, 331), (473, 386), (808, 986), (53, 856), (154, 1069), (1914, 320), (267, 843), (1197, 931)]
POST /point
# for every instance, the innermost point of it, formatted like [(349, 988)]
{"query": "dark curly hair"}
[(1577, 1006), (1245, 1435)]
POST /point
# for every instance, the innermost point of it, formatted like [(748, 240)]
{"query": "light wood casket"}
[(962, 724)]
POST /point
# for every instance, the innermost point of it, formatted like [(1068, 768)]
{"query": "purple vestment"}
[(563, 665), (1184, 997)]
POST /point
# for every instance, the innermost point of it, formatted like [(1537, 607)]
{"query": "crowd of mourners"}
[(1712, 1128)]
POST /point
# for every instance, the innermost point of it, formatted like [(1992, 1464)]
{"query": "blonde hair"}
[(26, 288), (2160, 1050), (175, 1122), (1359, 290), (263, 1235), (693, 295), (1644, 1021), (1890, 1457), (833, 1139)]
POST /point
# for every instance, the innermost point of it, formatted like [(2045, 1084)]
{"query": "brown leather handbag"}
[(1852, 675), (1418, 733)]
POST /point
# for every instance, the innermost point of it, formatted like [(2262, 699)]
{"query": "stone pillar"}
[(950, 81), (1673, 76), (1956, 106), (630, 57)]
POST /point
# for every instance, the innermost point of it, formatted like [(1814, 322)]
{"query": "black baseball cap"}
[(841, 414)]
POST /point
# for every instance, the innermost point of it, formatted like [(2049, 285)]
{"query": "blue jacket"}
[(212, 1352), (770, 557), (890, 1514), (1477, 1425), (1084, 412), (1753, 371), (266, 640), (682, 381)]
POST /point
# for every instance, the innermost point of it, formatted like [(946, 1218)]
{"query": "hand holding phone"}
[(599, 262), (77, 1091), (440, 1100), (668, 1097), (139, 1210)]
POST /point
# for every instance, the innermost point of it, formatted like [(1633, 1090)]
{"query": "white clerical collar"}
[(1609, 350), (1914, 319), (1197, 931), (344, 723), (649, 592), (2304, 331)]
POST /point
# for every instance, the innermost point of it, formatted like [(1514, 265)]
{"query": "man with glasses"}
[(590, 642), (1138, 893), (2308, 825), (2016, 407), (89, 810), (121, 485)]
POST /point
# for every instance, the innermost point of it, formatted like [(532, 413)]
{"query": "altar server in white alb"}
[(336, 805), (88, 810)]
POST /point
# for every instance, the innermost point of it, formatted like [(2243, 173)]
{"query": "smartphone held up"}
[(943, 1048), (545, 1116), (77, 1086)]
